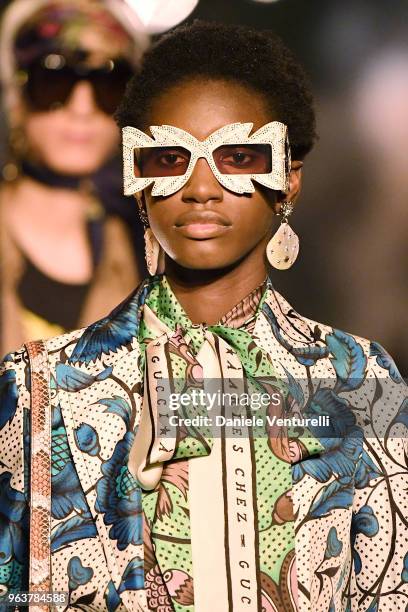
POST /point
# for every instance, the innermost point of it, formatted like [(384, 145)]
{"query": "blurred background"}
[(352, 217)]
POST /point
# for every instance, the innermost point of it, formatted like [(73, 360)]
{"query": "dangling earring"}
[(152, 251), (154, 254), (283, 247), (17, 148)]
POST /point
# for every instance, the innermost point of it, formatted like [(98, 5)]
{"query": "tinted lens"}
[(48, 88), (163, 161), (243, 159), (109, 85)]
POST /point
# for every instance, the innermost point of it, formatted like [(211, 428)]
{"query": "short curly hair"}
[(255, 59)]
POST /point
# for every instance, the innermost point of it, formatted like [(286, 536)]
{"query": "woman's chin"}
[(204, 263), (74, 168), (74, 160)]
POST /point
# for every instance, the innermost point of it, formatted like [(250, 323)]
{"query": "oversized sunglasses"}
[(236, 158), (49, 82)]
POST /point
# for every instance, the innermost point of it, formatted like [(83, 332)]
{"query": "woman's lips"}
[(202, 231), (78, 138), (202, 225)]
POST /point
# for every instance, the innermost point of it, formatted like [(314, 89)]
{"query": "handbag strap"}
[(40, 471)]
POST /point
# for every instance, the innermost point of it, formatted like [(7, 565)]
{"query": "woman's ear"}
[(295, 183), (15, 108)]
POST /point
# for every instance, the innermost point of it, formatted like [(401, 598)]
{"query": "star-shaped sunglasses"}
[(236, 158)]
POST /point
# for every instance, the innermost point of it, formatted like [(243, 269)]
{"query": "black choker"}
[(44, 175)]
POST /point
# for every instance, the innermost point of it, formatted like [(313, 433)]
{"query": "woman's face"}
[(77, 137), (74, 139), (203, 225)]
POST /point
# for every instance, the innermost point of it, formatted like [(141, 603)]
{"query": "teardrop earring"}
[(154, 254), (283, 247)]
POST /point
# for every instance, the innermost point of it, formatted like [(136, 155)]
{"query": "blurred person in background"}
[(64, 260)]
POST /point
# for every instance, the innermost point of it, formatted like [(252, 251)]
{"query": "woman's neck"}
[(49, 204), (206, 295)]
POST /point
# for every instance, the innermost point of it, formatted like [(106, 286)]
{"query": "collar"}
[(163, 302), (112, 337)]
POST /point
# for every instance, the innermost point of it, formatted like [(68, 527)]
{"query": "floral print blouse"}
[(322, 521)]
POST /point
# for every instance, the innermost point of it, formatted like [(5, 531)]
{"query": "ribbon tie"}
[(216, 361)]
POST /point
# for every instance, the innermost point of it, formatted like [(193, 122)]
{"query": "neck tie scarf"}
[(218, 513)]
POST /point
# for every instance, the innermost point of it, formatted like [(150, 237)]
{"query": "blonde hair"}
[(19, 12)]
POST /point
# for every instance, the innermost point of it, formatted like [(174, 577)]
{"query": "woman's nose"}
[(202, 185), (82, 99)]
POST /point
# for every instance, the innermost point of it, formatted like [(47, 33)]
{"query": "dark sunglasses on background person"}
[(49, 81)]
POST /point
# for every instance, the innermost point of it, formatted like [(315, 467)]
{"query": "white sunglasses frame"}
[(274, 134)]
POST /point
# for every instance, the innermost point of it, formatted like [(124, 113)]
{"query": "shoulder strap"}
[(40, 471)]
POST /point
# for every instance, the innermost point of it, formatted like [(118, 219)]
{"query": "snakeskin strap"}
[(40, 490)]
